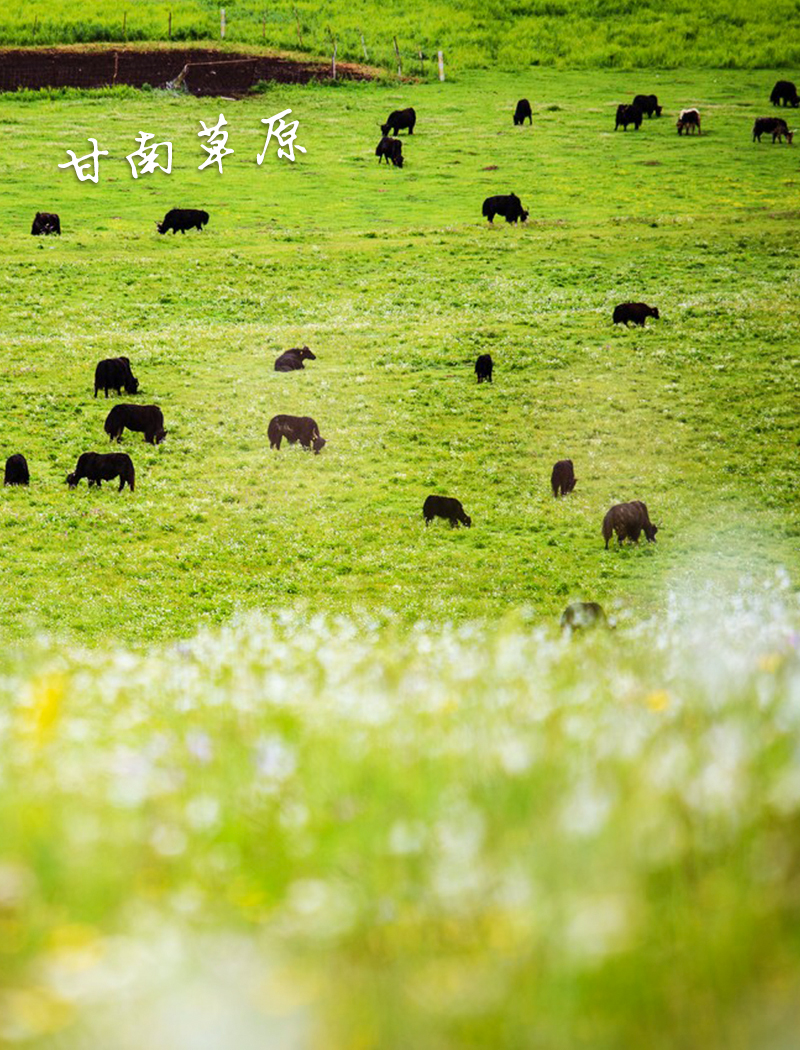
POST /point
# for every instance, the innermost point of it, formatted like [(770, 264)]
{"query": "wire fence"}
[(285, 31)]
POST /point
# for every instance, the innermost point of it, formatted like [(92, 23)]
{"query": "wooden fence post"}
[(124, 25), (264, 27), (366, 56), (332, 39), (441, 66), (222, 23), (399, 63), (169, 26), (297, 23)]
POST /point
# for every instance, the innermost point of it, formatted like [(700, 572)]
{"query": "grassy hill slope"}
[(473, 34)]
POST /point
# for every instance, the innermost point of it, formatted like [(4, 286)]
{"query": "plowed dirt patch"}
[(205, 72)]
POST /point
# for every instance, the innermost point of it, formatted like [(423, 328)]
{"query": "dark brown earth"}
[(208, 73)]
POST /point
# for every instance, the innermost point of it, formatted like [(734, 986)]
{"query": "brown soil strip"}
[(208, 73)]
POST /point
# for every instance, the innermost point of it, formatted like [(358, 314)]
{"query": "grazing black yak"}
[(648, 104), (562, 479), (775, 126), (508, 205), (628, 115), (391, 149), (445, 507), (628, 520), (99, 467), (634, 313), (399, 119), (688, 120), (182, 219), (16, 470), (147, 419), (295, 428), (115, 374), (483, 368), (522, 111), (784, 93)]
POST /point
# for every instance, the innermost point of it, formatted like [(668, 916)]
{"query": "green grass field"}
[(281, 767), (397, 283)]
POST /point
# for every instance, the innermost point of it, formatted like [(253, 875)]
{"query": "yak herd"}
[(116, 374), (627, 520), (784, 93)]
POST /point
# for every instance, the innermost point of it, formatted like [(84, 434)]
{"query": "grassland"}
[(731, 34), (278, 765), (396, 283)]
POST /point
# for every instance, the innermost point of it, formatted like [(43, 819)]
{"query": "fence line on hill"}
[(349, 47)]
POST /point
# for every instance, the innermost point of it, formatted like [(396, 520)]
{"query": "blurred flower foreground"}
[(319, 833)]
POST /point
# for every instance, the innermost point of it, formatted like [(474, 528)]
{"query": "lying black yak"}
[(44, 223), (292, 360)]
